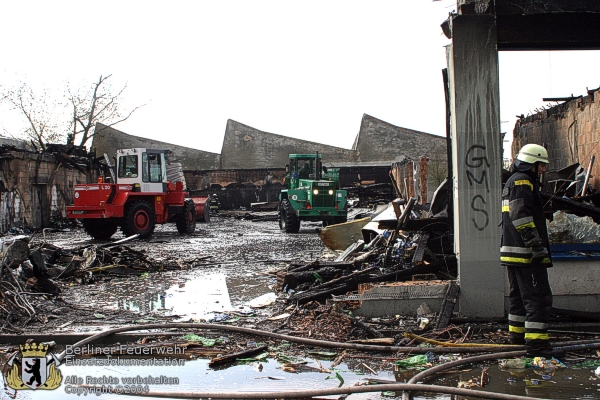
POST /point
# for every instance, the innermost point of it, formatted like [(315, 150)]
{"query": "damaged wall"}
[(378, 140), (247, 147), (570, 131), (240, 187), (34, 188), (110, 139), (199, 180)]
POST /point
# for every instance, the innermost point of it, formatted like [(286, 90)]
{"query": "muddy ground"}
[(240, 252), (209, 276), (213, 276)]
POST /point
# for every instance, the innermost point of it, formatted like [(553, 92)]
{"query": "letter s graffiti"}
[(481, 210)]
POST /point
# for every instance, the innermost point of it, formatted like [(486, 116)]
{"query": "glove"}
[(539, 253), (531, 237)]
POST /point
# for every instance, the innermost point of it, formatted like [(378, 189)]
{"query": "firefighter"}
[(214, 204), (525, 252), (304, 173)]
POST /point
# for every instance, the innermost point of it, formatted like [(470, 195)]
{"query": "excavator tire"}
[(288, 220), (139, 219), (99, 229), (186, 221)]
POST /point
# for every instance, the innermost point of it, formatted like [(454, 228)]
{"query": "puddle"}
[(197, 296), (565, 383), (266, 376), (238, 255)]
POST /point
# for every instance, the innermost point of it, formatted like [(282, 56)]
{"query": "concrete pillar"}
[(476, 160)]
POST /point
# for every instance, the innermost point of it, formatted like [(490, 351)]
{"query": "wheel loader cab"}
[(144, 167)]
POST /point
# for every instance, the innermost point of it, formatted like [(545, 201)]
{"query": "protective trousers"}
[(529, 298)]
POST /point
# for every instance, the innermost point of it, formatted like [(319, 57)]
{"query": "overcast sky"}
[(308, 69)]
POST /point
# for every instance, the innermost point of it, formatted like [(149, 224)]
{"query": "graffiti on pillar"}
[(477, 160)]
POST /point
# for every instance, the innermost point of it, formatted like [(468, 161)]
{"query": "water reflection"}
[(197, 298), (264, 376), (562, 383)]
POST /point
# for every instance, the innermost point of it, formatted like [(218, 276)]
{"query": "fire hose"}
[(407, 387)]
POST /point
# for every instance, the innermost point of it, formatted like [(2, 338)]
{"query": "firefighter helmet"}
[(532, 153)]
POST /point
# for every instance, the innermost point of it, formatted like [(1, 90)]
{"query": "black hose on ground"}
[(312, 342), (301, 394), (407, 387), (442, 367)]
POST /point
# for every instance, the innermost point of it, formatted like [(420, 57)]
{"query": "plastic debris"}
[(515, 363), (206, 342), (323, 353), (263, 301), (444, 359), (547, 365), (467, 384), (430, 356), (219, 318), (420, 360), (278, 317)]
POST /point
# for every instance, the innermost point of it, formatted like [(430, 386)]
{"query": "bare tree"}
[(437, 169), (97, 104), (38, 109)]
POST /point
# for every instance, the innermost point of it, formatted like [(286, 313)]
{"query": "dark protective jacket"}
[(214, 203), (524, 231)]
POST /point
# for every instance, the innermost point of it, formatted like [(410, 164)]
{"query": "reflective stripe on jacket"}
[(522, 209)]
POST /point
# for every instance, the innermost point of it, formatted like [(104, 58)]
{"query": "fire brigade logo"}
[(35, 369)]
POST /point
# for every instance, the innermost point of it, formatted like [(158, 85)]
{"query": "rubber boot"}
[(517, 338)]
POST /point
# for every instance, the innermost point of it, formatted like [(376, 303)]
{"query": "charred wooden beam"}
[(318, 293), (579, 209), (441, 224), (373, 332), (421, 247), (575, 315), (234, 356), (293, 279), (448, 305)]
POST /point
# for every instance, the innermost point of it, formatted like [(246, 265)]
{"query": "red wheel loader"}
[(138, 197)]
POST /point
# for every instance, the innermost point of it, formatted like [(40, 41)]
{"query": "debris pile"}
[(32, 271), (390, 251)]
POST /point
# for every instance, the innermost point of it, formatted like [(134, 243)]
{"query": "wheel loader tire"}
[(139, 219), (288, 220), (100, 229), (186, 221)]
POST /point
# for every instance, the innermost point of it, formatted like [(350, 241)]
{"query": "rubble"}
[(33, 271)]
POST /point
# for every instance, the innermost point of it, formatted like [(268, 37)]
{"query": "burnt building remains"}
[(251, 165), (36, 187)]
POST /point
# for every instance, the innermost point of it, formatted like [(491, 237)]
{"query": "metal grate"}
[(323, 201), (389, 296)]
